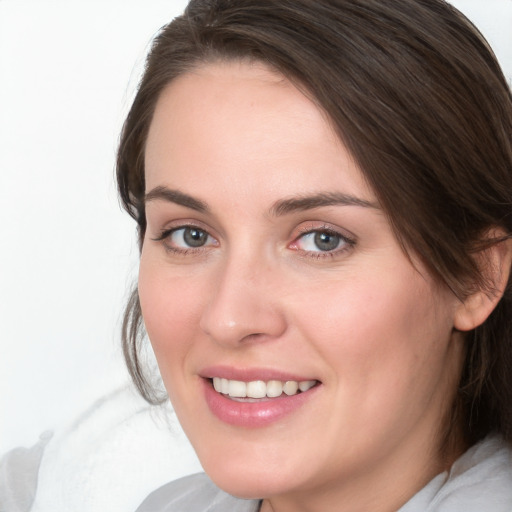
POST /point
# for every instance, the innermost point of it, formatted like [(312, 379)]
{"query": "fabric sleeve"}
[(19, 469)]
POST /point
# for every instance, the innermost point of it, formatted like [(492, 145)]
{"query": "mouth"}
[(258, 402), (259, 389)]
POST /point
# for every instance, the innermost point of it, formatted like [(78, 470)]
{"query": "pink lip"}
[(252, 414), (250, 374)]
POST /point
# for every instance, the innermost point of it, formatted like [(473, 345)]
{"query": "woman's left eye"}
[(322, 241)]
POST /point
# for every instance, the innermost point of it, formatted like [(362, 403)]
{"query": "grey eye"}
[(321, 241), (326, 241), (194, 237), (189, 237)]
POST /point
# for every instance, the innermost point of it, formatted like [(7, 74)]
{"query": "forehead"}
[(225, 117)]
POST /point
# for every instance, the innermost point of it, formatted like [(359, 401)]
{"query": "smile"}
[(259, 402), (259, 388)]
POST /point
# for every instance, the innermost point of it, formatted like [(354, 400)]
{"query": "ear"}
[(495, 263)]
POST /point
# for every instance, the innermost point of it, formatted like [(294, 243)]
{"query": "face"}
[(268, 264)]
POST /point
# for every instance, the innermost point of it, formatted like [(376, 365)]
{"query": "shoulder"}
[(194, 493), (19, 470), (481, 479)]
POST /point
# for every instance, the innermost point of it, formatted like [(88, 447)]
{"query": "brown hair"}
[(416, 95)]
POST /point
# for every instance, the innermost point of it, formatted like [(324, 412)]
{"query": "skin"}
[(369, 324)]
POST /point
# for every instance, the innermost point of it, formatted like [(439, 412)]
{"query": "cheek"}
[(386, 343), (385, 337), (171, 308), (363, 316)]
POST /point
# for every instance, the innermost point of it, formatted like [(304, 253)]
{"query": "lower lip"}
[(253, 414)]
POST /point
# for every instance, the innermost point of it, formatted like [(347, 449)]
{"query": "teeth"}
[(256, 389), (306, 384), (274, 388), (260, 388), (291, 387), (237, 389)]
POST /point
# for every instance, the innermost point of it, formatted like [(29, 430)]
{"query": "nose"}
[(244, 304)]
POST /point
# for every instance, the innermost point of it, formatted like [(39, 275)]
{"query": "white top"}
[(479, 481)]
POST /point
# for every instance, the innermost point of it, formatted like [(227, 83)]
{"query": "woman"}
[(323, 192)]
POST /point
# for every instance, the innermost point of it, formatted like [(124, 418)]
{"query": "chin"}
[(249, 484), (248, 475)]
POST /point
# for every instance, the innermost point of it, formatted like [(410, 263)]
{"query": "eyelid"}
[(314, 226), (174, 225), (167, 232), (349, 240)]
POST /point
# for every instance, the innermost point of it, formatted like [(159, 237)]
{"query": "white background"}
[(68, 71)]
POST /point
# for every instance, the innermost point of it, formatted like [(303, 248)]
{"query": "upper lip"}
[(251, 374)]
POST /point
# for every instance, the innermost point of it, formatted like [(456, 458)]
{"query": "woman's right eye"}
[(186, 238)]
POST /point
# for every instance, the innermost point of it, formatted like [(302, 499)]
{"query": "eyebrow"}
[(177, 197), (303, 203), (279, 208)]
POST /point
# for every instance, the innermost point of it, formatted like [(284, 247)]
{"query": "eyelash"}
[(347, 242), (167, 233)]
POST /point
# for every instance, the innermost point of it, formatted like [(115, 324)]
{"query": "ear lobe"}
[(474, 310), (496, 264)]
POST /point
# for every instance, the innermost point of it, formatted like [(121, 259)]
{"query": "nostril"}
[(253, 337)]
